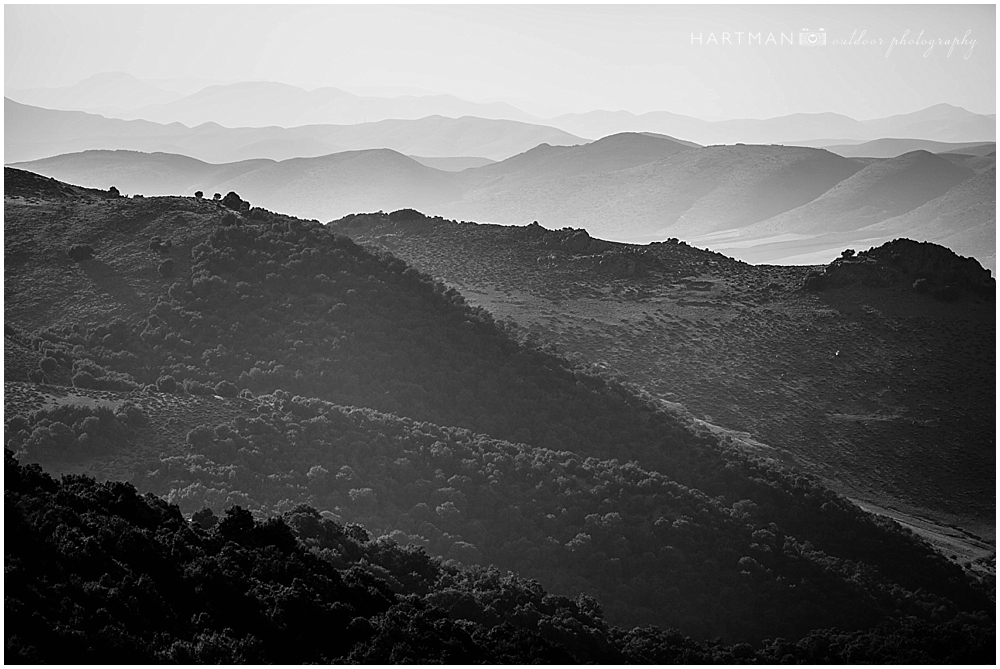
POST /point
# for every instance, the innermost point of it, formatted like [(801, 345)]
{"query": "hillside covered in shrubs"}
[(370, 393), (100, 574), (881, 383)]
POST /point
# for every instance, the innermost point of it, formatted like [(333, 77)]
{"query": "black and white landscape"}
[(500, 334)]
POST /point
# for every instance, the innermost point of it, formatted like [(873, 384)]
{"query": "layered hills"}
[(273, 362), (757, 203), (884, 393)]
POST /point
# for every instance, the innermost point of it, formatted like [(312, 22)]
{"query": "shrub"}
[(166, 384), (229, 218), (226, 389), (233, 201), (131, 415), (84, 380), (48, 364), (80, 252), (198, 194), (113, 192), (205, 518), (166, 268), (217, 196)]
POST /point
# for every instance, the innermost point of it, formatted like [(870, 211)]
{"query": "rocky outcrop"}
[(922, 266), (576, 242)]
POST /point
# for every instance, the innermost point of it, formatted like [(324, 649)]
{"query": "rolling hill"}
[(845, 215), (453, 163), (345, 182), (323, 187), (881, 190), (274, 363), (892, 147), (545, 162), (686, 193)]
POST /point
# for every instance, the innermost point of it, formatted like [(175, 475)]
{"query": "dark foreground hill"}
[(230, 376), (885, 393), (99, 574)]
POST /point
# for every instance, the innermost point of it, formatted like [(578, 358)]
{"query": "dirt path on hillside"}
[(958, 544)]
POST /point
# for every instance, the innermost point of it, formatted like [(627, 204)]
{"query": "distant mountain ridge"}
[(251, 103), (33, 132), (943, 123), (267, 103)]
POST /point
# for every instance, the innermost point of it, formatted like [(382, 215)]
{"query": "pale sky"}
[(566, 57)]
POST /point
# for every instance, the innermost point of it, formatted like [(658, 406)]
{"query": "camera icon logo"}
[(812, 37)]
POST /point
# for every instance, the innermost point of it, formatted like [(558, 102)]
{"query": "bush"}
[(166, 384), (198, 194), (234, 201), (226, 389), (84, 380), (113, 192), (80, 252), (48, 364), (166, 268), (205, 518)]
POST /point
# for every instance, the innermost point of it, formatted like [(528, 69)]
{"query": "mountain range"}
[(263, 104), (34, 132), (758, 203)]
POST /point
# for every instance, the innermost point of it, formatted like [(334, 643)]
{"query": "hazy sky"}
[(689, 59)]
